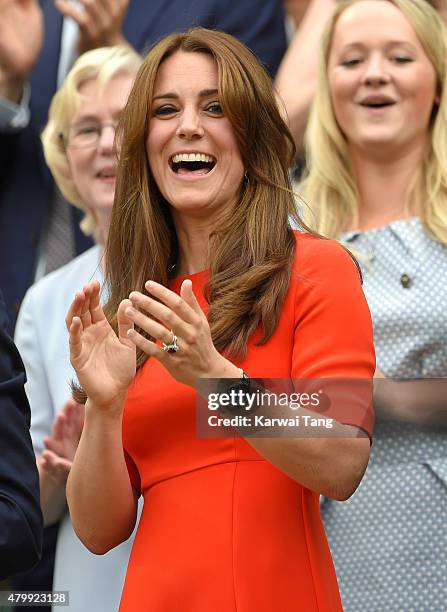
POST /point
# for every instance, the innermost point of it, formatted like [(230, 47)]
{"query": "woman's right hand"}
[(104, 362)]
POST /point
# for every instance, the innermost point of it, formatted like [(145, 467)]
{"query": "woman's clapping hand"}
[(104, 362), (181, 315)]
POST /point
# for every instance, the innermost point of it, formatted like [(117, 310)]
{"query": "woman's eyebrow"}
[(86, 117), (202, 94), (354, 45)]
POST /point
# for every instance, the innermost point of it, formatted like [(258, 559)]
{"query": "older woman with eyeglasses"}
[(80, 151)]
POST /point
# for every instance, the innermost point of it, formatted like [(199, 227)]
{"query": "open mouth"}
[(107, 174), (377, 102), (192, 163)]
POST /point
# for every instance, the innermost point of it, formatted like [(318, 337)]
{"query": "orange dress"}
[(222, 530)]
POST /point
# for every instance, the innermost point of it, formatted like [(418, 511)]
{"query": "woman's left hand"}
[(196, 356)]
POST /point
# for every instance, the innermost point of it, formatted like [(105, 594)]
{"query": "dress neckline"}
[(197, 278)]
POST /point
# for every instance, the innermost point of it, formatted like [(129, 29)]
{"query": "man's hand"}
[(100, 21), (21, 37)]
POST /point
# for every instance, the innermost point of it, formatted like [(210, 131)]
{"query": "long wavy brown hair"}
[(252, 252)]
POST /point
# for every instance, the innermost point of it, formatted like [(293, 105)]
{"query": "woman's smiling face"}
[(93, 166), (382, 84), (191, 146)]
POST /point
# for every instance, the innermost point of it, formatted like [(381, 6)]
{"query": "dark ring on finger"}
[(172, 347)]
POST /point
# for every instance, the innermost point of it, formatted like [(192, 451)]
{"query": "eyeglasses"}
[(86, 134)]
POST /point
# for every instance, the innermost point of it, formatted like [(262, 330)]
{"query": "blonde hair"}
[(101, 64), (329, 185)]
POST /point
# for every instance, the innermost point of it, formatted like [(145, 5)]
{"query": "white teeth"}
[(191, 157)]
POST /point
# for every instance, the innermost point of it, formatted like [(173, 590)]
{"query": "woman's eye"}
[(402, 59), (214, 108), (164, 111), (351, 62), (86, 129)]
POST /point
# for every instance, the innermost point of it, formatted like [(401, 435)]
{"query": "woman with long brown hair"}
[(208, 280)]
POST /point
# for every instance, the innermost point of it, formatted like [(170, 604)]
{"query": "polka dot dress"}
[(389, 541)]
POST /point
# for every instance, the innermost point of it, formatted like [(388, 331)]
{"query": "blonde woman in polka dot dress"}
[(377, 156)]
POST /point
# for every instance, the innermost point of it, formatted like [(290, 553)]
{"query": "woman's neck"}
[(383, 186), (193, 249), (193, 235)]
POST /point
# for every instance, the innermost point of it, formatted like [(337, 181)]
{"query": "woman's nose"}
[(190, 125), (106, 141), (375, 71)]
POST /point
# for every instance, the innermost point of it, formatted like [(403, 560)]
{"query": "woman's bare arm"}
[(296, 9), (297, 75), (102, 501), (100, 496), (331, 466), (420, 402)]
